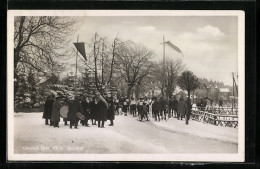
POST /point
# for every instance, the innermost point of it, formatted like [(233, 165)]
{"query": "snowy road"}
[(127, 136)]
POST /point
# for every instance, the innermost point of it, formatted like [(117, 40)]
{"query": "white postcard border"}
[(239, 157)]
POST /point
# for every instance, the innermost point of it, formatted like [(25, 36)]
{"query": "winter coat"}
[(140, 106), (101, 111), (111, 111), (163, 104), (47, 109), (145, 109), (174, 104), (55, 116), (156, 106), (74, 108), (182, 108), (93, 113)]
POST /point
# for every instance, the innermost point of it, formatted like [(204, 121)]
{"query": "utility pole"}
[(76, 69)]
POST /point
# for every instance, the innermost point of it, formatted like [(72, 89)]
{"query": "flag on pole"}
[(174, 47), (81, 48)]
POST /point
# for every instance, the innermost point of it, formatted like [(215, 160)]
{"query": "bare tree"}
[(101, 61), (167, 75), (39, 39), (188, 81), (133, 63)]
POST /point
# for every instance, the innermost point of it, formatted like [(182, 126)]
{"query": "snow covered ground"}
[(204, 130), (128, 136)]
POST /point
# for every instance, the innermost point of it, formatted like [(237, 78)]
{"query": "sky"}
[(209, 43)]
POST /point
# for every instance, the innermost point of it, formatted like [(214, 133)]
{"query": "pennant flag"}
[(174, 47), (81, 48)]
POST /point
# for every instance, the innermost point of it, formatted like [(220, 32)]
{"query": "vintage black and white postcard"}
[(126, 85)]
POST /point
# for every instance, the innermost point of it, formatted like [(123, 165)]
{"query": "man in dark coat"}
[(74, 108), (188, 112), (156, 109), (86, 108), (55, 116), (163, 105), (101, 110), (181, 108), (111, 111), (47, 110)]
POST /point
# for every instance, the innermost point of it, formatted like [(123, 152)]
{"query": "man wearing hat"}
[(111, 110), (181, 108), (101, 110), (75, 107), (47, 109), (156, 109), (86, 108), (55, 116)]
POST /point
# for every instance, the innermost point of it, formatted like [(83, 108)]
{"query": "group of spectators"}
[(160, 109), (96, 109)]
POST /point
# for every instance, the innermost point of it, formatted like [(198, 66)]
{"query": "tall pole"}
[(164, 72), (76, 69)]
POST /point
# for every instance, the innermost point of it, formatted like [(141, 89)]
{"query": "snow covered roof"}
[(224, 90)]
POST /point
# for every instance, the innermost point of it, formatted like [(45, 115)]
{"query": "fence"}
[(226, 120), (218, 110)]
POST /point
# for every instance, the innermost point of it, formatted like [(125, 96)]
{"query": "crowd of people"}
[(97, 110)]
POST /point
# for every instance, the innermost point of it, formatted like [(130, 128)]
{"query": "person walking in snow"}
[(181, 108), (47, 109), (163, 105), (111, 111), (156, 109), (55, 116), (86, 108), (74, 108), (101, 110)]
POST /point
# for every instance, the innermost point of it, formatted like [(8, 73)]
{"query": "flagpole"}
[(164, 68), (76, 69)]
